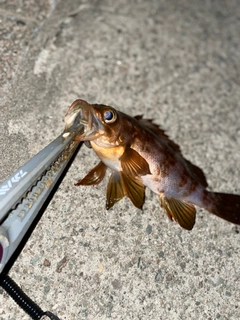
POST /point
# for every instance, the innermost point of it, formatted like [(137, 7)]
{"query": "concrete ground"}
[(177, 62)]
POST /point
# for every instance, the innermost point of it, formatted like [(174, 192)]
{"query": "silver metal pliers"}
[(24, 194)]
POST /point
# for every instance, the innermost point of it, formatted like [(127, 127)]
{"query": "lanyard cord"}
[(24, 302)]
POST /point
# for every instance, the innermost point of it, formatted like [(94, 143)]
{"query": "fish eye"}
[(109, 116)]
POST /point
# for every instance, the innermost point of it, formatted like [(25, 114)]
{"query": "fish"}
[(140, 154)]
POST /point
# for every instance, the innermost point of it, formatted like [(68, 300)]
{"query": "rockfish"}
[(141, 155)]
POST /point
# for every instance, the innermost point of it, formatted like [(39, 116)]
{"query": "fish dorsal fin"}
[(133, 164), (197, 174), (182, 212), (115, 190), (94, 176), (150, 125), (133, 189), (158, 131)]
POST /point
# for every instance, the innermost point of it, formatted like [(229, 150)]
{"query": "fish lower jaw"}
[(88, 134)]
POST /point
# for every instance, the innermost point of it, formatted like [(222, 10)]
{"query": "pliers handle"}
[(24, 193)]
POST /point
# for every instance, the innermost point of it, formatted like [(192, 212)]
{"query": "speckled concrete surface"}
[(174, 61)]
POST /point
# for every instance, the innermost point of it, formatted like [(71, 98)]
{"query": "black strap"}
[(24, 302)]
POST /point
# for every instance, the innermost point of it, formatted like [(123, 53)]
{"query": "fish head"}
[(102, 124)]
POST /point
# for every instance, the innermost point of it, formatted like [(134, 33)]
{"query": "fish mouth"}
[(81, 120)]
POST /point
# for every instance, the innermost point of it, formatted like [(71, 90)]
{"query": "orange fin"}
[(182, 212), (115, 190), (133, 164), (134, 190), (158, 131), (94, 176)]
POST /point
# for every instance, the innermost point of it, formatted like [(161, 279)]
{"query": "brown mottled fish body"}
[(141, 155)]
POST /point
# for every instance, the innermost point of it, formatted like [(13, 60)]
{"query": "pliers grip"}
[(23, 194)]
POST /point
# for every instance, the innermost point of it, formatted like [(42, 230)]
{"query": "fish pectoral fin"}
[(133, 164), (115, 190), (133, 189), (182, 212), (94, 176)]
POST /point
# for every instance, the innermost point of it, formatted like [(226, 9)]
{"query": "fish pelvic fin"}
[(94, 176), (115, 190), (121, 185), (223, 205), (134, 190), (181, 211), (133, 164)]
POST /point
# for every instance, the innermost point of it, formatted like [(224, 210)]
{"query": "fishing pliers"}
[(23, 197)]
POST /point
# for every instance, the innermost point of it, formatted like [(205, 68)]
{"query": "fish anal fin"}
[(134, 190), (197, 174), (115, 190), (94, 176), (182, 212), (133, 164)]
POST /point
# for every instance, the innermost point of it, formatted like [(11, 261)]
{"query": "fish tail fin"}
[(223, 205)]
